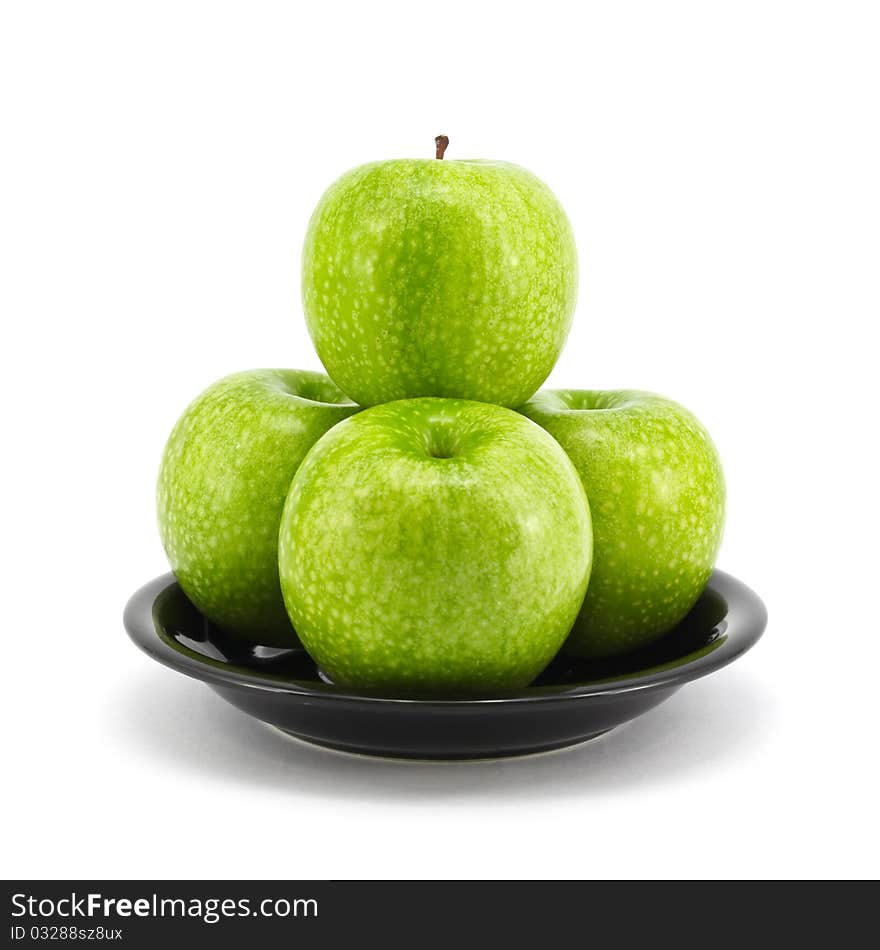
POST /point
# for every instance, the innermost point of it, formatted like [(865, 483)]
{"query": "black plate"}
[(570, 702)]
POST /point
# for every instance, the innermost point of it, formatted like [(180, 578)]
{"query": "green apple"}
[(435, 545), (225, 473), (656, 494), (439, 278)]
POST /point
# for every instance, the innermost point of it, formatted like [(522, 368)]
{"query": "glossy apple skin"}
[(657, 497), (439, 278), (435, 546), (225, 473)]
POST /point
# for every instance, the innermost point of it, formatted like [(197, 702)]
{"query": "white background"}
[(720, 163)]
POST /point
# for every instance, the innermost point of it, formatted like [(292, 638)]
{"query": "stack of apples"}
[(422, 519)]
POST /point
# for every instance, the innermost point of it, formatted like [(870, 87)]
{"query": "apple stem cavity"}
[(442, 143)]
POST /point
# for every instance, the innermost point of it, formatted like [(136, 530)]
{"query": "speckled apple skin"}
[(435, 546), (224, 477), (439, 278), (657, 497)]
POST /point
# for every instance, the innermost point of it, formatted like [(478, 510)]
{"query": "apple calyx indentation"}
[(441, 443)]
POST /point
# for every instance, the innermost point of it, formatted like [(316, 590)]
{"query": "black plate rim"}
[(744, 624)]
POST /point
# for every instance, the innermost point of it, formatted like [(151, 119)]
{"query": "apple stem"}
[(442, 142)]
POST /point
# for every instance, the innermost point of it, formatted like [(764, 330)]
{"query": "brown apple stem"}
[(442, 143)]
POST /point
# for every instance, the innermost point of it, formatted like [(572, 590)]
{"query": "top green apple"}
[(429, 277)]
